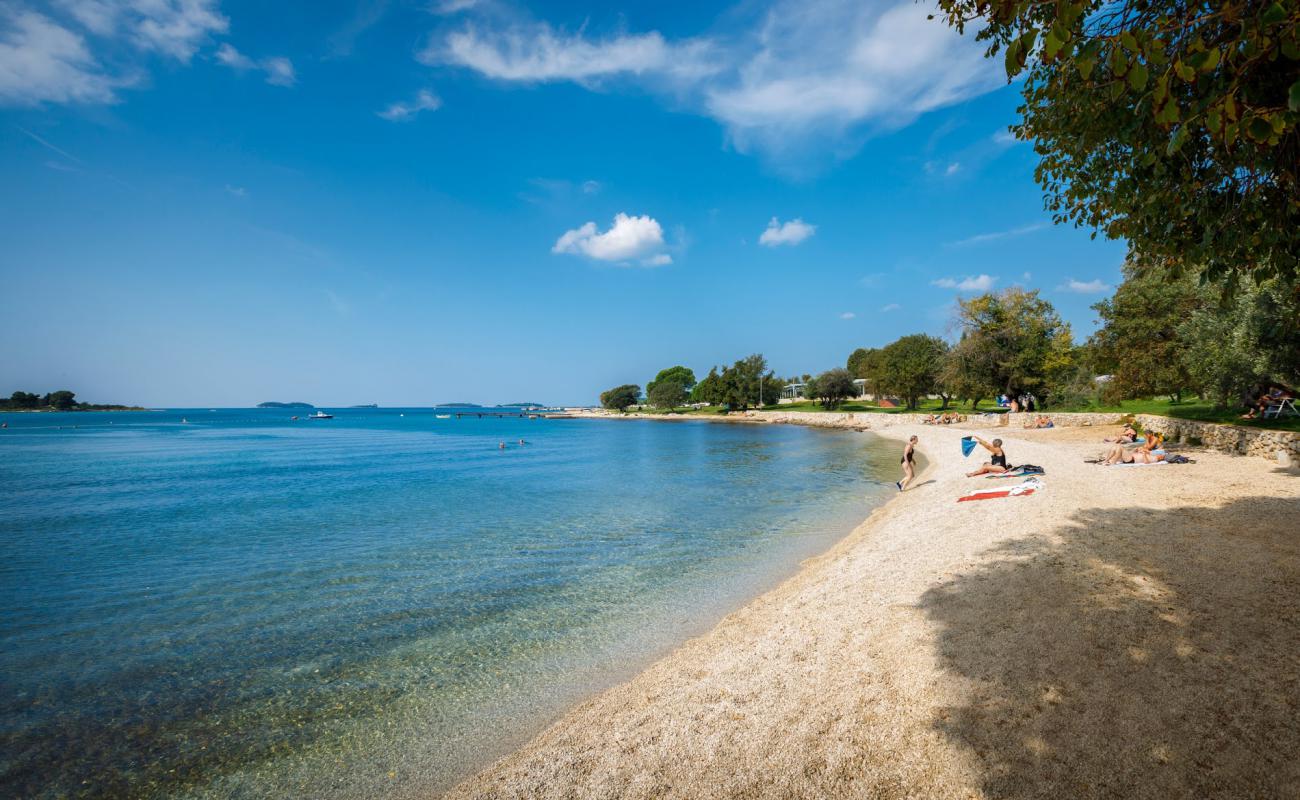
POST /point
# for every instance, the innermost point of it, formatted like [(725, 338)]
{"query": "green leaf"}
[(1293, 97), (1012, 59), (1051, 46), (1179, 139), (1273, 14), (1085, 65), (1129, 41), (1137, 77), (1259, 129)]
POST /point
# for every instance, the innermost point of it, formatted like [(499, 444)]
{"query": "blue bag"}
[(967, 445)]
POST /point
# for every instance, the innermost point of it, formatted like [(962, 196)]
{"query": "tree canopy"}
[(910, 366), (1174, 125), (668, 394), (620, 397), (678, 374), (1011, 341), (833, 387)]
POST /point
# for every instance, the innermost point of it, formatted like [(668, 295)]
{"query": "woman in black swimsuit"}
[(998, 462), (909, 454)]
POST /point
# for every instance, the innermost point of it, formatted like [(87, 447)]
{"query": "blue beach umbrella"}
[(967, 445)]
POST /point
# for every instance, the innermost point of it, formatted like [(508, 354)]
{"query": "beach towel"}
[(967, 446), (1140, 464), (1019, 490)]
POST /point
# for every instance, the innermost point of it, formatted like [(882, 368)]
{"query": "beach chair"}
[(1282, 407)]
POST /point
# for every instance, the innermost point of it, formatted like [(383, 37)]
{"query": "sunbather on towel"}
[(997, 464)]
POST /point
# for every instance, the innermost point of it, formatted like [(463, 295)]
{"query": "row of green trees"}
[(62, 400), (1160, 334), (748, 383), (1010, 342)]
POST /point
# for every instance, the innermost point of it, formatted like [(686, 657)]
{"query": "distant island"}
[(368, 405), (522, 405), (272, 404), (62, 400), (458, 405)]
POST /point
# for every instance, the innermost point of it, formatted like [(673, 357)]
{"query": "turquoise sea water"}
[(242, 605)]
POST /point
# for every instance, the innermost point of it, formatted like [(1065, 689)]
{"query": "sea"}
[(232, 603)]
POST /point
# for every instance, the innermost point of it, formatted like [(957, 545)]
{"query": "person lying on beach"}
[(1127, 436), (909, 454), (998, 462), (1149, 453), (1039, 422)]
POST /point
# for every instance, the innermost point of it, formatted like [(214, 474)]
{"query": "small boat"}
[(442, 416), (320, 415)]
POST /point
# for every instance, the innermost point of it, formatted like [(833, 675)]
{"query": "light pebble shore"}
[(1126, 632)]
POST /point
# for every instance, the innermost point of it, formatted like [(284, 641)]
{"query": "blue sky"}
[(218, 203)]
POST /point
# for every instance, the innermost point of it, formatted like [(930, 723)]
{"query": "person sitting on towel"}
[(998, 462)]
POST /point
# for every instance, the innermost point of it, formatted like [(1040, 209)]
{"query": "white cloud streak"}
[(277, 69), (977, 283), (424, 100), (997, 235), (628, 239), (885, 309), (791, 233), (1095, 286), (826, 70), (847, 315)]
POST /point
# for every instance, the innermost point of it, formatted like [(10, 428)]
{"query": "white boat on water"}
[(442, 416), (320, 415)]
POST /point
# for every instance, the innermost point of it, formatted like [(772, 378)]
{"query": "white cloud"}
[(792, 232), (952, 168), (590, 187), (1095, 286), (885, 309), (425, 100), (279, 71), (537, 54), (827, 70), (42, 61), (236, 191), (173, 27), (1005, 138), (978, 283), (53, 58), (228, 56), (996, 235), (847, 315), (629, 238)]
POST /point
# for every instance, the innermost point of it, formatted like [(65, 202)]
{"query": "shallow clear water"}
[(246, 606)]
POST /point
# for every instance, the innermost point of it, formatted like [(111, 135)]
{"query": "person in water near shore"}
[(909, 468), (997, 464)]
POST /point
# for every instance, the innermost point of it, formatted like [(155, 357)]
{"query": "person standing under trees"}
[(909, 468)]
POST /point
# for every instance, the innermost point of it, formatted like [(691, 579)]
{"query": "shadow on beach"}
[(1132, 653)]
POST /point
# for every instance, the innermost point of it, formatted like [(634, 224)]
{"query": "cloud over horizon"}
[(628, 239)]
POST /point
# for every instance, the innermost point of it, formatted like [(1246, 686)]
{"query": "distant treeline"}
[(62, 400), (273, 404)]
